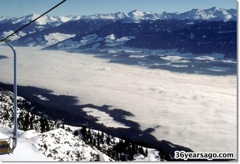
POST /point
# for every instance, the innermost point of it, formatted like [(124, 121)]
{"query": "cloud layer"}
[(197, 111)]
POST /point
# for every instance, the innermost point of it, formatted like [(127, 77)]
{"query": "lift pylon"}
[(7, 145)]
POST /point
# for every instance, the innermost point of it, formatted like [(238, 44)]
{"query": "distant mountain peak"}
[(136, 13), (194, 10), (214, 8), (136, 10), (36, 15)]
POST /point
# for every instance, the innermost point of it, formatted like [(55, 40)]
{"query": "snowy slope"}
[(54, 38), (61, 146), (25, 150), (58, 145), (65, 143)]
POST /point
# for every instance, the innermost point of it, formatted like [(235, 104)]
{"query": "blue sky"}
[(87, 7)]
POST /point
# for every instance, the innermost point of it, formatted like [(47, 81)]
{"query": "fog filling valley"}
[(192, 110)]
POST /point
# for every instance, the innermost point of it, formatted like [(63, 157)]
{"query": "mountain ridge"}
[(196, 31), (212, 14)]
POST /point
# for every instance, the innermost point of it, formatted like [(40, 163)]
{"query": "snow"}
[(196, 111), (59, 145), (89, 39), (212, 14), (43, 20), (137, 13), (207, 14), (25, 150), (68, 18), (31, 147), (110, 37), (14, 37), (112, 41), (57, 138), (54, 20), (195, 14), (54, 38)]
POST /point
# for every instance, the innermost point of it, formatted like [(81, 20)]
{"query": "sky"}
[(20, 8)]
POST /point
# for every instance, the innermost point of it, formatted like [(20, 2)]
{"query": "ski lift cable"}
[(4, 39), (8, 145)]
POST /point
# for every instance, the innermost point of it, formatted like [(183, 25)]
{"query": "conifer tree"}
[(146, 152), (141, 151), (42, 125), (84, 132), (108, 139), (26, 122)]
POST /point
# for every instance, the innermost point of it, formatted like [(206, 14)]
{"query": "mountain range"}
[(213, 13), (196, 31)]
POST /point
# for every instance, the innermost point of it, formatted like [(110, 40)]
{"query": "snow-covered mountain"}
[(10, 24), (212, 14), (197, 31), (44, 20), (216, 14)]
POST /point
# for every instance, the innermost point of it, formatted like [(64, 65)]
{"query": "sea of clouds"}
[(196, 111)]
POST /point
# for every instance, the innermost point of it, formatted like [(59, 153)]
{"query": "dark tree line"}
[(28, 121), (25, 119), (119, 150)]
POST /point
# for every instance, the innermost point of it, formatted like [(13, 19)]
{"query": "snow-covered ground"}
[(196, 111), (54, 38), (25, 150), (60, 144)]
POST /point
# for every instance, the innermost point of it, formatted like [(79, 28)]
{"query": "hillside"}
[(196, 31), (48, 140)]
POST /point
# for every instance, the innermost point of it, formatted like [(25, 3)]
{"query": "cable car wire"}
[(32, 21)]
